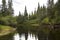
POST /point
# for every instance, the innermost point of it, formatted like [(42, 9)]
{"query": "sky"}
[(19, 5)]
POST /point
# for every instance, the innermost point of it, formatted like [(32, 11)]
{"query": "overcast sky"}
[(31, 5)]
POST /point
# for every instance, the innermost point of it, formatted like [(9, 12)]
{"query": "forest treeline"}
[(41, 22)]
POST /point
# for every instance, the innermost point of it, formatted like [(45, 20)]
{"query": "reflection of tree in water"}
[(21, 31), (54, 34), (26, 35), (7, 37)]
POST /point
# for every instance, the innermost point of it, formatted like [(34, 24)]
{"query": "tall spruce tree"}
[(57, 12), (4, 8), (50, 11), (25, 14), (10, 9), (50, 8), (3, 5), (38, 10), (44, 10), (20, 19)]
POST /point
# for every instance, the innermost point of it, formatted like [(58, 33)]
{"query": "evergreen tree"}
[(57, 11), (3, 5), (38, 10), (44, 11), (51, 12), (20, 19), (10, 9), (6, 11), (4, 8), (50, 8), (30, 16), (25, 14), (20, 14)]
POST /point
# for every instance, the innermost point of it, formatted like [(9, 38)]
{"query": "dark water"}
[(31, 36), (7, 37)]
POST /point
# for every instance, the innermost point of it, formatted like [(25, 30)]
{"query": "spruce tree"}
[(3, 5), (50, 11), (57, 11), (50, 8), (25, 14), (20, 19), (4, 8), (38, 10), (58, 7), (20, 14), (44, 11), (10, 9)]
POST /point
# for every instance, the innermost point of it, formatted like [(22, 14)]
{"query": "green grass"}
[(4, 30), (5, 27)]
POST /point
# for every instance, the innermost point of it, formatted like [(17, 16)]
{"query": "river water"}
[(22, 37)]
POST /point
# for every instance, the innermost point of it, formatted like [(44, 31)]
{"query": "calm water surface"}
[(22, 37)]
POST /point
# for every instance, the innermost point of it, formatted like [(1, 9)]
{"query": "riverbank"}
[(4, 30)]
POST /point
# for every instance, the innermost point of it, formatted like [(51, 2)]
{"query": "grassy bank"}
[(4, 30)]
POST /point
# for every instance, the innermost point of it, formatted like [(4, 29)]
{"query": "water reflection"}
[(22, 37), (7, 37), (32, 37), (16, 36)]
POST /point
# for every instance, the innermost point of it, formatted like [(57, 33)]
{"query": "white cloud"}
[(30, 4)]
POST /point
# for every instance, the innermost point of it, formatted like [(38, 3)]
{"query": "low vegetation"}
[(4, 30)]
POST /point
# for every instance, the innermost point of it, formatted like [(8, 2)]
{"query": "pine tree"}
[(10, 9), (38, 9), (58, 7), (25, 14), (50, 8), (44, 11), (20, 18), (4, 8), (20, 14), (34, 15), (57, 11), (3, 5), (50, 12)]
